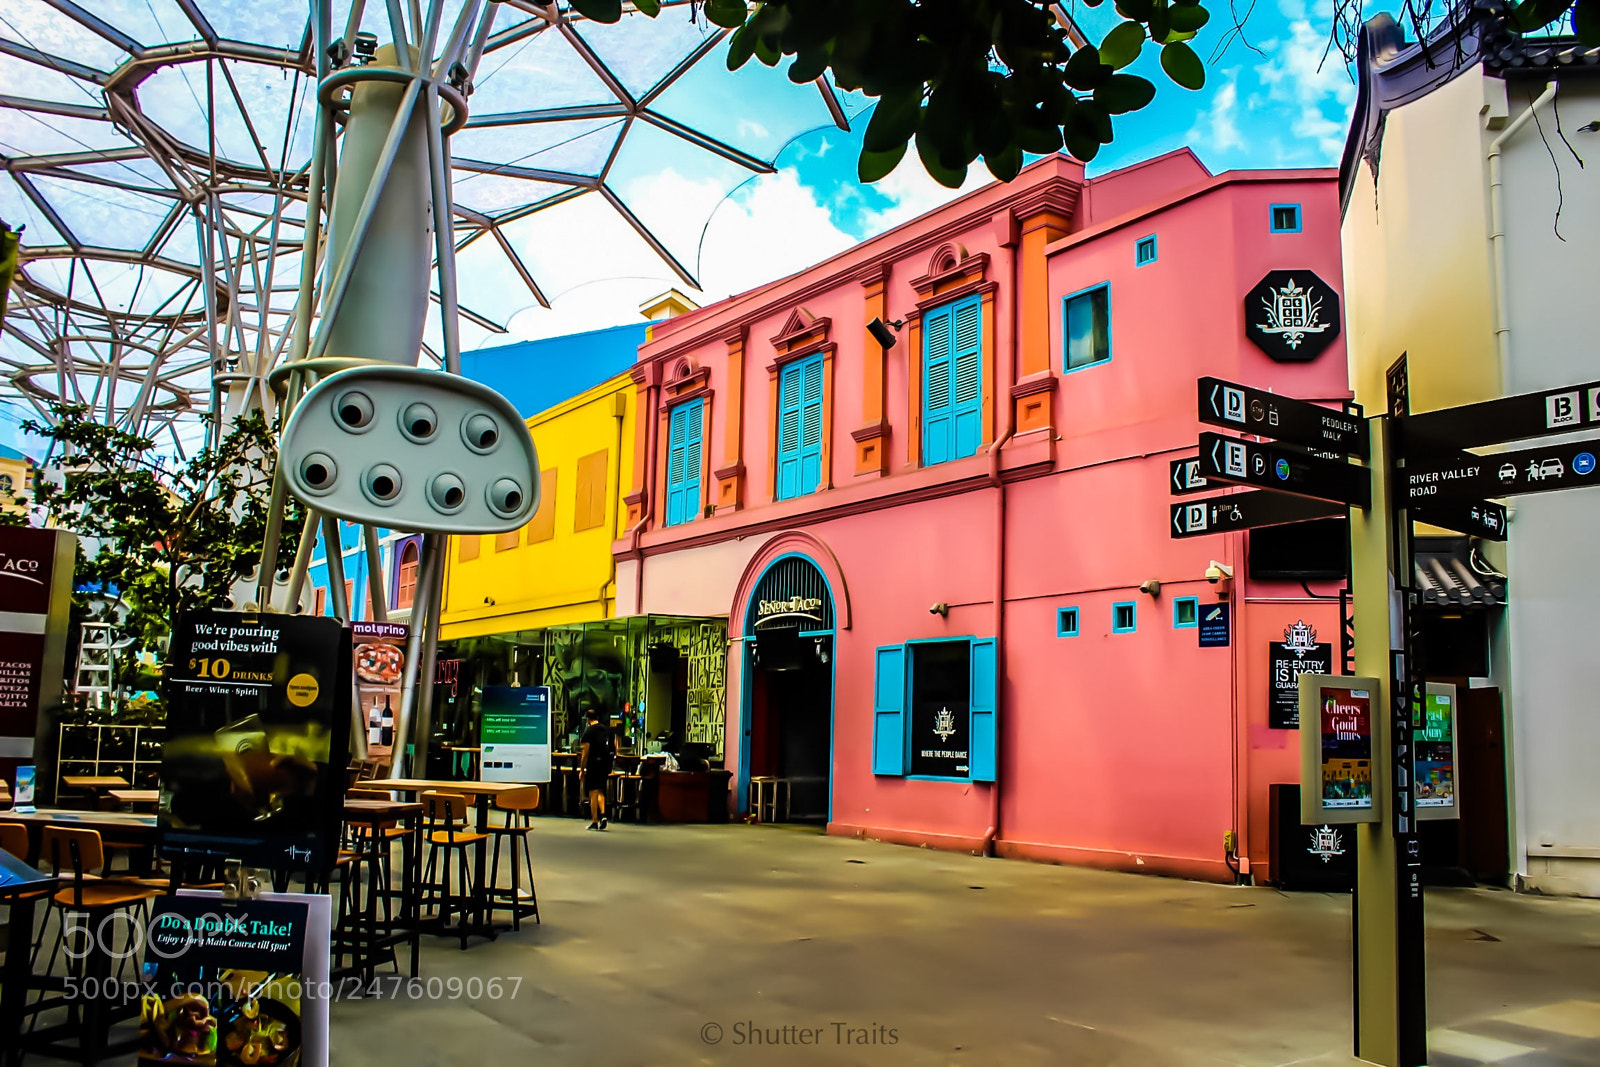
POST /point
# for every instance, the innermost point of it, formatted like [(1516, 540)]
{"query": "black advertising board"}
[(1298, 653), (1228, 459), (1479, 518), (1292, 315), (1241, 511), (36, 568), (1256, 411), (1461, 475), (1183, 476), (1306, 856), (1511, 418), (257, 738), (1215, 630)]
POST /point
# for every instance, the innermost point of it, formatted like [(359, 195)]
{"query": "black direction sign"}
[(1511, 418), (1479, 518), (1241, 511), (1529, 470), (1239, 407), (1227, 459), (1184, 477)]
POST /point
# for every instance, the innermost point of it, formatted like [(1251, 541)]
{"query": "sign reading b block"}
[(516, 734), (1337, 712)]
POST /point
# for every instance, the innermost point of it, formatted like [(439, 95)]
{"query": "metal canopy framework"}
[(159, 153)]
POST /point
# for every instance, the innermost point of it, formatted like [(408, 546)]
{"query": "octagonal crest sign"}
[(1292, 315)]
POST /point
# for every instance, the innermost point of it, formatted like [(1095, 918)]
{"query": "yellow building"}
[(15, 474), (558, 568)]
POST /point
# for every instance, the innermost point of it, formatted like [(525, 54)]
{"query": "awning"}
[(1450, 572)]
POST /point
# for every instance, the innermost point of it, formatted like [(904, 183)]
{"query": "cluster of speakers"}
[(411, 449)]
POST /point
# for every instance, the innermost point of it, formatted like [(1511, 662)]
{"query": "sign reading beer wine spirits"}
[(1298, 653), (1336, 768)]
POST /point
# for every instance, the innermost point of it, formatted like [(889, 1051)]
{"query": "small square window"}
[(1124, 618), (1066, 622), (1088, 327), (1285, 218), (1186, 612), (1145, 251)]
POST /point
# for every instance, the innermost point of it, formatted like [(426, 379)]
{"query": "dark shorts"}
[(594, 777)]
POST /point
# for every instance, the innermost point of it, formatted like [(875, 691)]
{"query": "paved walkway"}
[(758, 945)]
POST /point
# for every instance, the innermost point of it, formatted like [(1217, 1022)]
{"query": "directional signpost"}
[(1529, 470), (1242, 511), (1239, 407), (1227, 459), (1184, 477), (1511, 418), (1480, 518)]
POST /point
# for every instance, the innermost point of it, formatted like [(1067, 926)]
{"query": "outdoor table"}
[(135, 797), (481, 791), (93, 783), (20, 887), (373, 814), (121, 829)]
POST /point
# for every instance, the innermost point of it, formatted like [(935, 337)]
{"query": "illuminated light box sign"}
[(1336, 764), (515, 734), (1434, 748), (257, 739)]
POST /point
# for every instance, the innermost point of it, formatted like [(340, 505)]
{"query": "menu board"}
[(1434, 750), (257, 738), (235, 982), (515, 734), (380, 661), (1336, 765), (35, 602)]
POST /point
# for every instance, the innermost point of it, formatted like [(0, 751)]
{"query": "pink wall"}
[(1127, 750)]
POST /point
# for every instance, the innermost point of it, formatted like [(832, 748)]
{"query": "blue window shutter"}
[(937, 429), (811, 425), (966, 394), (789, 480), (675, 467), (683, 462), (981, 756), (889, 711)]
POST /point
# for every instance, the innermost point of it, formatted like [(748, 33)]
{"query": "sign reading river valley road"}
[(1529, 470)]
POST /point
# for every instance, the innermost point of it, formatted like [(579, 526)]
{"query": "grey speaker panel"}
[(412, 449)]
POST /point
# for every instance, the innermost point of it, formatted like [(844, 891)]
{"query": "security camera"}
[(1151, 587), (1218, 572), (882, 334), (941, 609)]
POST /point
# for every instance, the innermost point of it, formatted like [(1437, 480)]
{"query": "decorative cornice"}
[(801, 332), (873, 431), (1044, 382), (950, 271), (722, 474), (873, 274), (827, 351)]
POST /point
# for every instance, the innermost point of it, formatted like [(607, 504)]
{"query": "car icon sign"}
[(1508, 472), (1551, 468)]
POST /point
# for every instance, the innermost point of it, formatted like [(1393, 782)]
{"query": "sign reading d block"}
[(515, 734)]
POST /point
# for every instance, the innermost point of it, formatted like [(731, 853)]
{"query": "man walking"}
[(595, 757)]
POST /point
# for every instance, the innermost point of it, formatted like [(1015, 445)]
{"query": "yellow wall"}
[(1416, 255), (567, 578), (18, 473)]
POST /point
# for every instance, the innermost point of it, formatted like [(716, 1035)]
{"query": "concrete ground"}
[(758, 945)]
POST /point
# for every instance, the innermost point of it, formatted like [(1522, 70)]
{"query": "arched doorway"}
[(789, 626)]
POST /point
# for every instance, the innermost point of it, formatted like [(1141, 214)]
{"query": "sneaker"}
[(603, 822), (593, 826)]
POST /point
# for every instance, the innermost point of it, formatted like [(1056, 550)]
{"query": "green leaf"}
[(1124, 93), (1122, 45), (648, 7), (599, 10), (1187, 18), (1182, 65), (729, 14), (1006, 164), (949, 177), (874, 165), (894, 120), (1137, 10), (741, 46), (1085, 71), (808, 65)]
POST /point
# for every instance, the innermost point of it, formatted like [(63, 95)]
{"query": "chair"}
[(765, 792), (81, 852), (623, 803), (445, 831), (14, 839), (519, 805)]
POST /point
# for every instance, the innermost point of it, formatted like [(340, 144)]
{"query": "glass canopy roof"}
[(157, 152)]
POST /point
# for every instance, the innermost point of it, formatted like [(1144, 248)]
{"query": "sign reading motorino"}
[(1249, 463), (1530, 470), (1241, 511), (1267, 414), (1511, 418)]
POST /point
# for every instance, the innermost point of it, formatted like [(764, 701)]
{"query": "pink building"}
[(939, 560)]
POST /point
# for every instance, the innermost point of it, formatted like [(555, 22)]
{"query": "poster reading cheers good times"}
[(1346, 728), (257, 738)]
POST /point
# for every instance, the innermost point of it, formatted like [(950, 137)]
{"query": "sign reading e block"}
[(1336, 767), (515, 734)]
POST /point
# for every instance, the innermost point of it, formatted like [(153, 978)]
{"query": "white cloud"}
[(752, 128), (913, 193), (1303, 73), (1217, 128)]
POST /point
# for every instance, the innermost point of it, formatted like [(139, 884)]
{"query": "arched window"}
[(407, 590)]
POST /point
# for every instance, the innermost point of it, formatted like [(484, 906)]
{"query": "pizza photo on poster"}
[(1346, 727)]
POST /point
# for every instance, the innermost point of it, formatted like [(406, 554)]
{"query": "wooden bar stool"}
[(519, 805), (765, 792), (446, 832)]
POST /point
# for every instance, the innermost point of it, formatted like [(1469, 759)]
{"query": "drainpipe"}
[(617, 402), (1497, 235), (1005, 359), (648, 413)]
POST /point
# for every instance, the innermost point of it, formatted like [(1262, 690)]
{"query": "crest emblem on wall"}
[(1292, 315), (944, 724), (1326, 843), (1300, 639)]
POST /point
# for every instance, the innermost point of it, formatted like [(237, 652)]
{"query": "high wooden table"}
[(135, 798), (94, 783), (373, 816)]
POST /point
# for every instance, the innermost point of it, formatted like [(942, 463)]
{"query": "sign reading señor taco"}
[(1292, 315)]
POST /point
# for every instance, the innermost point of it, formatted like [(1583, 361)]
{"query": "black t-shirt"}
[(598, 737)]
